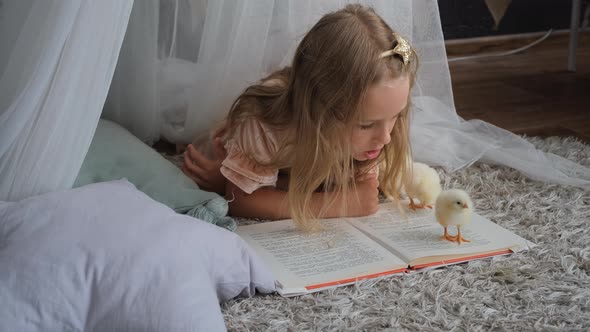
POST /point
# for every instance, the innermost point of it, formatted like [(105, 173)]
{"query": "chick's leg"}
[(412, 204), (447, 236), (415, 206), (459, 237)]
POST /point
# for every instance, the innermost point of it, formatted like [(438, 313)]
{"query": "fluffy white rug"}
[(544, 289)]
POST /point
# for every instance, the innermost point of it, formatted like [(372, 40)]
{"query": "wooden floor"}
[(528, 93)]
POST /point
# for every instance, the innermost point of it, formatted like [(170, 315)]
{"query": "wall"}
[(471, 18)]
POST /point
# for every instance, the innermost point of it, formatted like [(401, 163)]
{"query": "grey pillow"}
[(106, 257)]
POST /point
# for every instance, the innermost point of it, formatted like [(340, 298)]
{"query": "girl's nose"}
[(384, 136)]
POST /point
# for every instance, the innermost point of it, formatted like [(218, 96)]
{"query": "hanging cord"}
[(172, 50), (488, 55)]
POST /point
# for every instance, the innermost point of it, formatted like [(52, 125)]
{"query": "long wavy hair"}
[(318, 100)]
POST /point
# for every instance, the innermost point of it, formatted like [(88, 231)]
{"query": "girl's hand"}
[(365, 201), (204, 171)]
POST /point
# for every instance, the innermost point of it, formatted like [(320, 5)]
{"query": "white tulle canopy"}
[(170, 69)]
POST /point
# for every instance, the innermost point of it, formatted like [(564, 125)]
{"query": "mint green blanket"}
[(115, 153)]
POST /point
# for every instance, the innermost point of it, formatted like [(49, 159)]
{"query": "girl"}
[(307, 142)]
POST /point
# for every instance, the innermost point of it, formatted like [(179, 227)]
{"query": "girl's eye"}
[(366, 126)]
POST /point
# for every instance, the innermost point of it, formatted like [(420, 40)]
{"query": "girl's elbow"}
[(232, 209), (237, 203), (246, 209), (263, 203)]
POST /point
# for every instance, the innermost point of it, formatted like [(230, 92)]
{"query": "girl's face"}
[(383, 104)]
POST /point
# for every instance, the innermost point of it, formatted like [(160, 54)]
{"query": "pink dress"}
[(253, 142)]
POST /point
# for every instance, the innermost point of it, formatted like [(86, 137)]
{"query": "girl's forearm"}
[(270, 203), (328, 204), (264, 203)]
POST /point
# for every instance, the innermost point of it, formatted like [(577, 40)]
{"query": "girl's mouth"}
[(373, 154)]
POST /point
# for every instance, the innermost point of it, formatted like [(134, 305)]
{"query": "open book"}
[(351, 249)]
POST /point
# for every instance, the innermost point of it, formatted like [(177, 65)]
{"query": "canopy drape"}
[(56, 63)]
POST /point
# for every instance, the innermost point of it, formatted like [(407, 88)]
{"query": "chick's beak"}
[(465, 205)]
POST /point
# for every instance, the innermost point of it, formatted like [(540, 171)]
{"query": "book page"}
[(304, 261), (416, 234)]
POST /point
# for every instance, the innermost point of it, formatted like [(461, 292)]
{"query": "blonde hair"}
[(319, 99)]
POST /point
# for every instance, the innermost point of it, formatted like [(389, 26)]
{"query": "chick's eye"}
[(458, 203)]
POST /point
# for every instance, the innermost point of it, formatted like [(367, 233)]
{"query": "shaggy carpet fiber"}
[(544, 289)]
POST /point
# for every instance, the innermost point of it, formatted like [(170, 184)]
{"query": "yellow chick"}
[(454, 208), (425, 186)]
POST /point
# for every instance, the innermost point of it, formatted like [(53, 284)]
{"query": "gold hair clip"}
[(402, 48)]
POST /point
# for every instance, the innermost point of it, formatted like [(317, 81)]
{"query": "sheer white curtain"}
[(184, 61), (205, 52), (56, 62)]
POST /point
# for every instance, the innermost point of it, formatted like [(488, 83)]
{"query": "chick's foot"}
[(460, 237), (415, 206), (448, 237)]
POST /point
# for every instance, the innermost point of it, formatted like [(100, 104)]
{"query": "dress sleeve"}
[(252, 145)]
